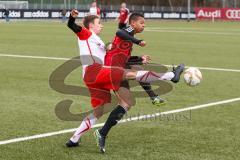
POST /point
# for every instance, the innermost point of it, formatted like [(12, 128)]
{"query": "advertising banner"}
[(217, 13), (55, 14)]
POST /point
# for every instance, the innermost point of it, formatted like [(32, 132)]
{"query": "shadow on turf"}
[(58, 76)]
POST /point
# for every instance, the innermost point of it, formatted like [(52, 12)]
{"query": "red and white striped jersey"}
[(92, 48)]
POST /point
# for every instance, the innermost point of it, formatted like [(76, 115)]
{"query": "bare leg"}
[(125, 98), (125, 102)]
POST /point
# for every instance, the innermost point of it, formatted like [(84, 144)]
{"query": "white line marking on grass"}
[(211, 69), (65, 59), (122, 121), (193, 32), (230, 30), (33, 57)]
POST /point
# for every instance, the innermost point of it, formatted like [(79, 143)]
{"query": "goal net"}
[(13, 4)]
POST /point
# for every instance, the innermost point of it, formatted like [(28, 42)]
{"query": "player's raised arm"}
[(71, 22), (82, 32)]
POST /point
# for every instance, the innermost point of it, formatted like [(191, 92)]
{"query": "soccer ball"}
[(192, 76)]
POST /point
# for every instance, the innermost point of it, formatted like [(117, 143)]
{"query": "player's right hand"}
[(108, 46), (74, 13), (146, 59), (142, 43)]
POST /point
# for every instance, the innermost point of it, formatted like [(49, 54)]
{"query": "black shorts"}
[(125, 84), (122, 25)]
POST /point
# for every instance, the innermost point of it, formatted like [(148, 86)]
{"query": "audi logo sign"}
[(233, 14), (217, 13)]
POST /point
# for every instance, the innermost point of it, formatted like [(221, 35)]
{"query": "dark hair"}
[(89, 19), (135, 16)]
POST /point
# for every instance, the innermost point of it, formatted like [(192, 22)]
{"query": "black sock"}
[(114, 116), (147, 87)]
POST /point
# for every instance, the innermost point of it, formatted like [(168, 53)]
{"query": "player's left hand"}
[(146, 59), (108, 46), (142, 43)]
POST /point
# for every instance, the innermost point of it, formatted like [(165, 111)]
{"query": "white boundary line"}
[(211, 69), (195, 29), (122, 121), (193, 32), (65, 59), (33, 57)]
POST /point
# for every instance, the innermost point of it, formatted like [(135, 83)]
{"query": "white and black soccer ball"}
[(192, 76)]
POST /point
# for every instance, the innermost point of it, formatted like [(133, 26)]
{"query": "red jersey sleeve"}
[(98, 11), (84, 34)]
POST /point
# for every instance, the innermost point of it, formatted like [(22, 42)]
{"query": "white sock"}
[(149, 76), (167, 76), (86, 125)]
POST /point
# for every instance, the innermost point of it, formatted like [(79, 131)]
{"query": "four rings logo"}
[(233, 14)]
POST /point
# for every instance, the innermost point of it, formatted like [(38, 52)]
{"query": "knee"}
[(128, 105), (98, 114), (132, 103), (130, 74)]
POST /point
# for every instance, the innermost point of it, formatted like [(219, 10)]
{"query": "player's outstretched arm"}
[(126, 36), (135, 60), (139, 60), (71, 22)]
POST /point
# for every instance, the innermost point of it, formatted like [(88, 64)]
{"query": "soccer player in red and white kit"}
[(120, 55), (94, 10), (121, 50), (101, 79), (123, 16)]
